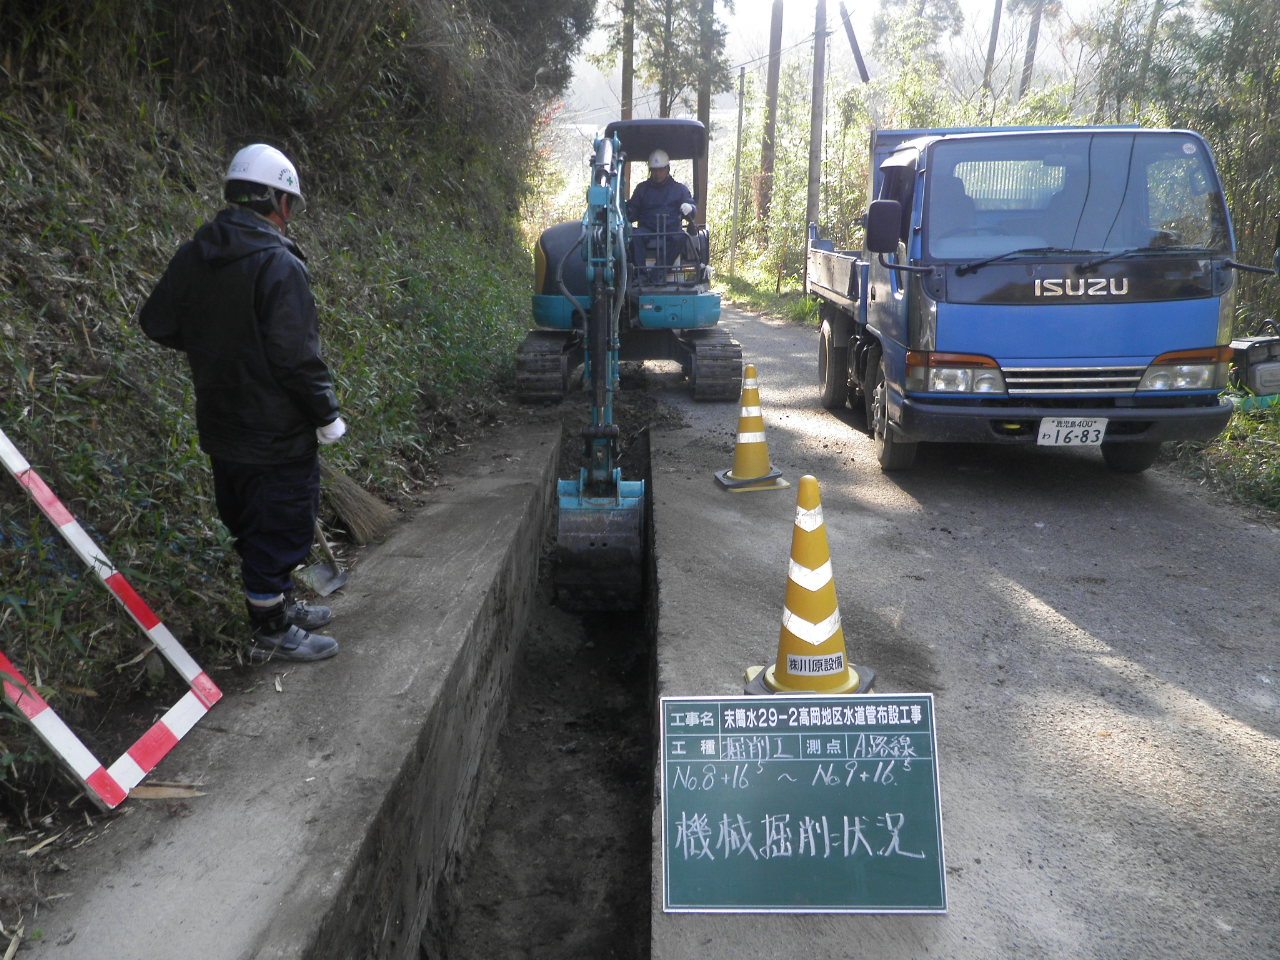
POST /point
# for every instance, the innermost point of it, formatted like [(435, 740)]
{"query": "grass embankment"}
[(754, 291), (422, 295), (1242, 465)]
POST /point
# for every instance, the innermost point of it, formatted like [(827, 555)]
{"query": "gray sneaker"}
[(292, 643), (308, 616)]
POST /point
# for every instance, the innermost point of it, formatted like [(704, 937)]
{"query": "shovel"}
[(322, 578)]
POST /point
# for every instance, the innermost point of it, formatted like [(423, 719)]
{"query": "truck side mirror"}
[(884, 220)]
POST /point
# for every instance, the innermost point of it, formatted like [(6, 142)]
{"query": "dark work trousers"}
[(664, 246), (270, 510)]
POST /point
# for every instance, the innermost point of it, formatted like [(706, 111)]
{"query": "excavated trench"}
[(558, 865)]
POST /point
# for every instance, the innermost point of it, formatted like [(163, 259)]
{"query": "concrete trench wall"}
[(422, 828)]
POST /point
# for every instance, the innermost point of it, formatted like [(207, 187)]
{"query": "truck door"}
[(889, 290)]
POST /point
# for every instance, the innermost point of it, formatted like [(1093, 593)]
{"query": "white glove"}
[(330, 432), (686, 209)]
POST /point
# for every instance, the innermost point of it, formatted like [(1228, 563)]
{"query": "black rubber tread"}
[(833, 371), (892, 453), (543, 367), (715, 369), (1129, 457)]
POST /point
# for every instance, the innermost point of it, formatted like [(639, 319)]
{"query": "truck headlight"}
[(1188, 370), (931, 372)]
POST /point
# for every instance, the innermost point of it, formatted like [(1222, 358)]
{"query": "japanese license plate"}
[(1071, 431)]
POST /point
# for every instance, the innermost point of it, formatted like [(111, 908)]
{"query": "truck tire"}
[(892, 452), (833, 370), (1129, 457)]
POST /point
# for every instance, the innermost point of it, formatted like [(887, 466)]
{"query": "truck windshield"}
[(1094, 192)]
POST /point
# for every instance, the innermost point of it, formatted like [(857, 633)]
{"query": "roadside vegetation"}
[(411, 128)]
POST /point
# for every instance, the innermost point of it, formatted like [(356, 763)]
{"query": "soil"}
[(561, 865)]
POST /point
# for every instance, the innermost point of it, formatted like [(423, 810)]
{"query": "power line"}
[(803, 42)]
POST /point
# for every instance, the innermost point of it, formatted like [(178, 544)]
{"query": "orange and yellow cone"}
[(811, 646), (751, 468)]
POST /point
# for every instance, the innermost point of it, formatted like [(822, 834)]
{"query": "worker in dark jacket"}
[(237, 300), (657, 206)]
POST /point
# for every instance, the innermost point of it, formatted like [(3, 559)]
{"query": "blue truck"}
[(1064, 286)]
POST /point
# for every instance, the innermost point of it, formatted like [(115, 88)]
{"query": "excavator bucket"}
[(600, 547)]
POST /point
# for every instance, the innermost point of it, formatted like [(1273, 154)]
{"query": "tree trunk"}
[(1112, 50), (764, 189), (1033, 39), (853, 44), (706, 27), (991, 47), (628, 56), (666, 91), (1157, 10)]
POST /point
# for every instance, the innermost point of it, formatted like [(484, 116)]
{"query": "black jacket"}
[(657, 205), (237, 298)]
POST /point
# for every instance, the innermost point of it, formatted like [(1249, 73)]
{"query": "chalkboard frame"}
[(852, 739)]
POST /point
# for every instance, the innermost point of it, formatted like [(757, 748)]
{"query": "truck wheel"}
[(892, 452), (1129, 457), (833, 370)]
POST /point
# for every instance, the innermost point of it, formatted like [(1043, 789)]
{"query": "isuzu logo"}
[(1082, 287)]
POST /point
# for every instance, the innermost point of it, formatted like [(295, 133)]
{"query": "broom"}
[(367, 517)]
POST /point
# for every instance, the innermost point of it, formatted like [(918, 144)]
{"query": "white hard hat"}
[(659, 159), (264, 164)]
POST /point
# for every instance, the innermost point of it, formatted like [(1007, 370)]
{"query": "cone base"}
[(761, 682), (770, 481)]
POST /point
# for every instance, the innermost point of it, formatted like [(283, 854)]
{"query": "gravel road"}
[(1102, 649)]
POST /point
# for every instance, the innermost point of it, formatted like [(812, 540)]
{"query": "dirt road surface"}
[(1102, 649)]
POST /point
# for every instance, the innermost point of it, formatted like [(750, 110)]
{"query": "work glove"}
[(686, 209), (330, 432)]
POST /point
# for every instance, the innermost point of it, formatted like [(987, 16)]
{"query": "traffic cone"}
[(811, 649), (751, 468)]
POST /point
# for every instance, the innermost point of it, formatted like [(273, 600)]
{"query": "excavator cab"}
[(666, 309), (678, 253)]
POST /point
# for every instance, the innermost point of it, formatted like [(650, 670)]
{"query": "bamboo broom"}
[(363, 514)]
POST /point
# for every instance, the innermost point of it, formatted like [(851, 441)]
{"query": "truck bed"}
[(832, 274)]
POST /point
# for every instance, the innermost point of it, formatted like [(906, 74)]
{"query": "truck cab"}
[(1057, 286)]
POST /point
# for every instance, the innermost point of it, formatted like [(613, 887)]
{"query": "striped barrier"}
[(108, 786)]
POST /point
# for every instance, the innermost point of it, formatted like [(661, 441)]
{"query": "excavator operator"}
[(657, 206)]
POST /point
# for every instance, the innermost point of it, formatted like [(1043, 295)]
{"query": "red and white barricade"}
[(108, 786)]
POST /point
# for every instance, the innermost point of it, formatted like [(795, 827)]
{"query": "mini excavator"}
[(592, 306)]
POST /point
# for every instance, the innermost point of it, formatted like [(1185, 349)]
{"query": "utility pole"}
[(817, 113), (628, 55), (764, 189), (737, 172)]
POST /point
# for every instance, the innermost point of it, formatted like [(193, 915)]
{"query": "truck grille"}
[(1046, 381)]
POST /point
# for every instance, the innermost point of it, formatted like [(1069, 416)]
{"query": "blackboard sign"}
[(801, 804)]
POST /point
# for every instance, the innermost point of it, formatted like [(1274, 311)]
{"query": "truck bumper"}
[(945, 423)]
